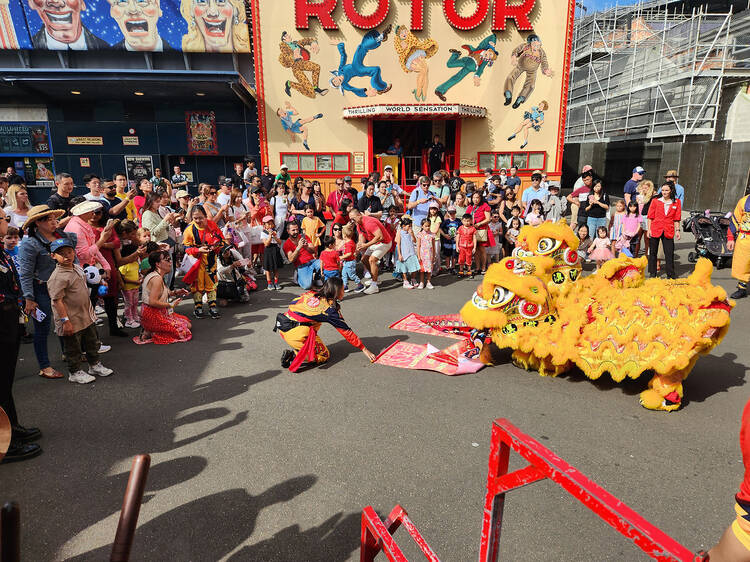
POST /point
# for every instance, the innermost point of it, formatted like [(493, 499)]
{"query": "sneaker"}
[(132, 324), (368, 275), (414, 283), (372, 289), (271, 286), (277, 286), (100, 370), (347, 289), (104, 348), (99, 310), (420, 286), (408, 285), (198, 312), (214, 313), (429, 286), (286, 358), (739, 294), (80, 377), (99, 322), (359, 288)]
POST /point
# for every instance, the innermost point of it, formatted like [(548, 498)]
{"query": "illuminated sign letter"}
[(470, 22), (517, 12), (366, 22), (417, 15), (305, 9)]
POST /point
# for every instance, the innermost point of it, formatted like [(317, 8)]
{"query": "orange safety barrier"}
[(377, 535), (544, 464)]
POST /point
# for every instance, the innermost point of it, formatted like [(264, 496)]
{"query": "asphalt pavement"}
[(251, 462)]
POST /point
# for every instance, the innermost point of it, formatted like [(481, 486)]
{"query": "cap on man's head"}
[(181, 193), (639, 170), (451, 208), (586, 168), (348, 178), (284, 167), (60, 243), (227, 181)]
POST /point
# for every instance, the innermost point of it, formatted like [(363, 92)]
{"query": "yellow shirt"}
[(129, 208), (310, 227)]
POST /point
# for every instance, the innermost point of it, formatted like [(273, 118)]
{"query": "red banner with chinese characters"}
[(201, 132)]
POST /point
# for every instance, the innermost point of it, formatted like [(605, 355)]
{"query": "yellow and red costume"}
[(739, 231), (308, 312), (202, 276)]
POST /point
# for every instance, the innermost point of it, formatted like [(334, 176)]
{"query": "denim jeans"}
[(349, 271), (594, 223), (41, 329), (305, 273)]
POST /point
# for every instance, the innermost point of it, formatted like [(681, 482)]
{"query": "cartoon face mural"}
[(137, 21), (61, 18), (214, 21)]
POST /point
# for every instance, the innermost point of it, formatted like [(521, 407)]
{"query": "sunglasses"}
[(6, 219), (339, 184), (335, 229), (213, 192)]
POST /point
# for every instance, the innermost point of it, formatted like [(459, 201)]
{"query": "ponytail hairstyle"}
[(330, 292)]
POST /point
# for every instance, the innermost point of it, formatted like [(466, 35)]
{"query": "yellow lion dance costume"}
[(613, 321)]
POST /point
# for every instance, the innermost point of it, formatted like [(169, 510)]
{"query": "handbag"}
[(253, 234), (481, 235), (187, 263)]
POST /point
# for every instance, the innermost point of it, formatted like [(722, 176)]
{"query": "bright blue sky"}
[(595, 5)]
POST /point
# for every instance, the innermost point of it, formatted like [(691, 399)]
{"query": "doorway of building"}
[(415, 136)]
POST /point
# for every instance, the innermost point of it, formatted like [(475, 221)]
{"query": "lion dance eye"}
[(529, 310), (501, 296), (521, 253), (570, 257), (547, 245)]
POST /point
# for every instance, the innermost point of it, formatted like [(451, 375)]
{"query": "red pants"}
[(464, 256)]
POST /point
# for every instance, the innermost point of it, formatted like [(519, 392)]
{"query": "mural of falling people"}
[(475, 61), (413, 54), (295, 55), (341, 78), (533, 119), (293, 125), (526, 59)]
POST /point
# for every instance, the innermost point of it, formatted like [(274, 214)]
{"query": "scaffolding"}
[(653, 71)]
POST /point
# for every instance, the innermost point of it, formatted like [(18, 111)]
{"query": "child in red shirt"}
[(349, 259), (466, 241), (330, 260)]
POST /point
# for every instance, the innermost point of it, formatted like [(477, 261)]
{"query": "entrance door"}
[(415, 136)]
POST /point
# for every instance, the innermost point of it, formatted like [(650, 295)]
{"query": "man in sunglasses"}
[(337, 196)]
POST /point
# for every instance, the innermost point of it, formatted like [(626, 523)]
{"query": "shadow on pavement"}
[(332, 541), (208, 528), (713, 374)]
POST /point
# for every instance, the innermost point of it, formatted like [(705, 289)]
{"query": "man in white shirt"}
[(94, 185), (225, 193), (249, 172)]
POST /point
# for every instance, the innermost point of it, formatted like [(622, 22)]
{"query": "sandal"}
[(53, 375)]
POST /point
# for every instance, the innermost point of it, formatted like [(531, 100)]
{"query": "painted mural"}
[(326, 69), (203, 26)]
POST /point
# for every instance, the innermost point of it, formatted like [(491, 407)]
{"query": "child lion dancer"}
[(738, 240), (202, 239), (734, 545), (300, 324)]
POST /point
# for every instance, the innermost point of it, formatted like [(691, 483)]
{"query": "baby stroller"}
[(710, 231)]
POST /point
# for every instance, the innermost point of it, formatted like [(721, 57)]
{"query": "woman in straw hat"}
[(35, 267)]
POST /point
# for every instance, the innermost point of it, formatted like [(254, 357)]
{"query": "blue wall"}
[(161, 130)]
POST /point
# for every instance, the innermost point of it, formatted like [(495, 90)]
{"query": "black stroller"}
[(710, 231)]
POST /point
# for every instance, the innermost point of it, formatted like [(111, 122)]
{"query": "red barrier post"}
[(377, 535), (131, 508), (543, 463)]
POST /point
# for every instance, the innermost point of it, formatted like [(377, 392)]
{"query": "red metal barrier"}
[(377, 535), (543, 463)]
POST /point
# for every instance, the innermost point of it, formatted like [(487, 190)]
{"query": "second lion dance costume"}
[(300, 324), (739, 231), (202, 276)]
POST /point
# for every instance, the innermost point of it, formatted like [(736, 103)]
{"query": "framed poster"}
[(85, 162), (201, 132), (24, 138), (359, 163), (139, 167)]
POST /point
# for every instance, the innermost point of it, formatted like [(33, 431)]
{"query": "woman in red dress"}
[(157, 314), (258, 208), (480, 214)]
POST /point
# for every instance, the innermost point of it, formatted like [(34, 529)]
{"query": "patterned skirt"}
[(165, 328)]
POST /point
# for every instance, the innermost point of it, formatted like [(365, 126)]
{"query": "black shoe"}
[(214, 313), (23, 434), (471, 275), (518, 102), (198, 312), (508, 98), (322, 91), (386, 31), (118, 333), (286, 358), (439, 95), (385, 90), (21, 451), (288, 88), (739, 294)]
